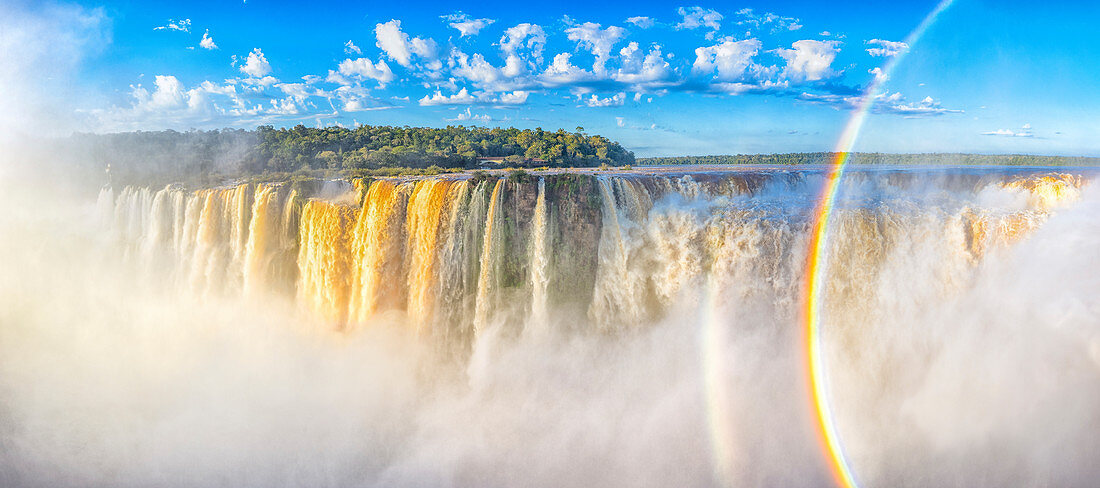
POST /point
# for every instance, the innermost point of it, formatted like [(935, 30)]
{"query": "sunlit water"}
[(621, 329)]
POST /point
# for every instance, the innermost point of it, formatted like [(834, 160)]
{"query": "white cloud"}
[(298, 92), (356, 99), (562, 72), (730, 59), (637, 69), (170, 104), (597, 40), (393, 42), (513, 66), (463, 97), (642, 22), (168, 94), (895, 104), (364, 68), (256, 64), (738, 88), (885, 103), (285, 106), (695, 17), (886, 48), (513, 39), (1024, 131), (778, 23), (810, 60), (880, 75), (926, 107), (619, 121), (469, 117), (255, 84), (182, 25), (614, 101), (351, 48), (474, 68), (466, 25), (517, 97), (399, 47), (207, 42)]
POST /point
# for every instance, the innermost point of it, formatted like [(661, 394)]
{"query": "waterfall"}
[(378, 245), (325, 260), (540, 265), (262, 228), (427, 206), (613, 251), (489, 255)]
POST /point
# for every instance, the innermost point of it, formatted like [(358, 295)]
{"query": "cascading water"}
[(431, 247), (540, 265)]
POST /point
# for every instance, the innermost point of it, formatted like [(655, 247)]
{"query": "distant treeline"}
[(205, 155), (875, 158)]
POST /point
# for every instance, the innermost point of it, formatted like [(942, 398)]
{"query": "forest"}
[(229, 153), (862, 158)]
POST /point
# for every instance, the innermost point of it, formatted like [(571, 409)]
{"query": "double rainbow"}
[(817, 265)]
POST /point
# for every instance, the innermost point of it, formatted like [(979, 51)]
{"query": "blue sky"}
[(663, 79)]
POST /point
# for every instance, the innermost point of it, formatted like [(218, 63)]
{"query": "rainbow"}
[(817, 264)]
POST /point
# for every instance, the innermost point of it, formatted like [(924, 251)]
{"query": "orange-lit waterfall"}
[(378, 246), (452, 253)]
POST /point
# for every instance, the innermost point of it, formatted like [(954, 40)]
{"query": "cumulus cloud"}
[(642, 22), (616, 100), (355, 98), (470, 117), (299, 92), (880, 75), (886, 48), (399, 47), (182, 25), (364, 68), (638, 69), (809, 60), (463, 97), (597, 40), (171, 104), (696, 17), (207, 42), (466, 25), (453, 77), (562, 72), (256, 65), (729, 60), (529, 36), (167, 94), (517, 97), (475, 68), (1024, 131)]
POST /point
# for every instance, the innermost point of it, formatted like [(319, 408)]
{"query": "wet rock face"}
[(574, 204)]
